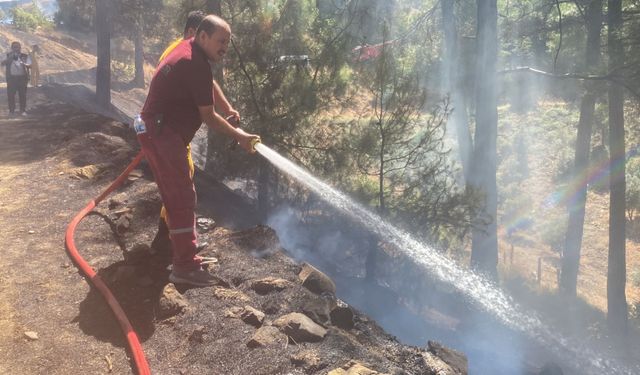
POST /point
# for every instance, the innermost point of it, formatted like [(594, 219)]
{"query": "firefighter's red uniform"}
[(181, 84)]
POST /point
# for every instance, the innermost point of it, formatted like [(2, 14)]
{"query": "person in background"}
[(161, 242), (35, 68), (180, 99), (17, 72), (193, 21)]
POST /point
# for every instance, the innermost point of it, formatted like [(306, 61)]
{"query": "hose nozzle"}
[(254, 142)]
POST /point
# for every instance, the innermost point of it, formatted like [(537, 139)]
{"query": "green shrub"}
[(553, 230), (29, 18), (122, 70)]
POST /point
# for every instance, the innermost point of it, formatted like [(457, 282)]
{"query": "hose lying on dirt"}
[(132, 338)]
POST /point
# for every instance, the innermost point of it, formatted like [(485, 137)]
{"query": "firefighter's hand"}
[(247, 141), (234, 115)]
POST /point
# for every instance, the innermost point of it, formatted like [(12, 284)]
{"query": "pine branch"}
[(581, 77)]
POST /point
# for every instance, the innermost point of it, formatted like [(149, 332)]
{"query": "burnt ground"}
[(52, 163)]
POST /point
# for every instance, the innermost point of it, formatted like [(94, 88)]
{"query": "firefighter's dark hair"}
[(194, 18)]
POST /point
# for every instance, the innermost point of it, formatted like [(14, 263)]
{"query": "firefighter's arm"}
[(218, 123), (222, 104)]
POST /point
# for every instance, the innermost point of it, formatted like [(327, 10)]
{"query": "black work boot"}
[(161, 243)]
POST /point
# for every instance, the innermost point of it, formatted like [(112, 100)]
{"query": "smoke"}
[(405, 301), (293, 236), (310, 239), (420, 278)]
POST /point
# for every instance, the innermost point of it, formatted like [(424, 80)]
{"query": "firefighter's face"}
[(216, 45)]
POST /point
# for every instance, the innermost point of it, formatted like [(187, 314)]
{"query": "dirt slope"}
[(71, 60), (40, 289)]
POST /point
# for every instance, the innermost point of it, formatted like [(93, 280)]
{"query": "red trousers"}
[(167, 155)]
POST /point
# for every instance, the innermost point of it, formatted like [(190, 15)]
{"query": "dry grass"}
[(543, 161)]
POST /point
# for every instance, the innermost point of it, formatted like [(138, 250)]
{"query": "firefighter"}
[(161, 242), (180, 98)]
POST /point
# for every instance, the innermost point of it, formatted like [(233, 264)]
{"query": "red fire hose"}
[(134, 344)]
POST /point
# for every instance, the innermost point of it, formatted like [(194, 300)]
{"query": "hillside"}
[(58, 158)]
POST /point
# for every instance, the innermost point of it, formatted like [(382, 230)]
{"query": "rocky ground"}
[(268, 315)]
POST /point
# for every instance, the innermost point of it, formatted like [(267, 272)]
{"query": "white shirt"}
[(17, 67)]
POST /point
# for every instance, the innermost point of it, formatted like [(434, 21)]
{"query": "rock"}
[(315, 280), (89, 171), (205, 224), (171, 302), (123, 223), (113, 203), (198, 334), (224, 293), (31, 335), (456, 360), (265, 336), (269, 284), (308, 360), (234, 312), (135, 175), (342, 315), (300, 328), (252, 316), (119, 212), (436, 365), (354, 368), (317, 309)]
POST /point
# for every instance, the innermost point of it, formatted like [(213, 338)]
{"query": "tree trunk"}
[(138, 80), (381, 203), (616, 276), (484, 250), (217, 145), (103, 69), (213, 7), (451, 60), (573, 241)]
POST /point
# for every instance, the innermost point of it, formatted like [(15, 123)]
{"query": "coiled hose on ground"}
[(132, 338)]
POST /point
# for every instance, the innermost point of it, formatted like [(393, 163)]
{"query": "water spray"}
[(478, 289)]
